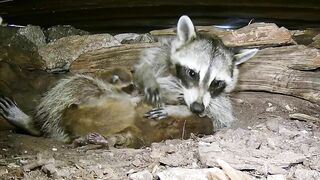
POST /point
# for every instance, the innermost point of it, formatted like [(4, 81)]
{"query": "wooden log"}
[(256, 34), (288, 70), (103, 60)]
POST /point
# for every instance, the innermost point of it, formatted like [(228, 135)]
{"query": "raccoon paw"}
[(156, 113), (97, 139), (9, 109), (181, 100), (152, 95)]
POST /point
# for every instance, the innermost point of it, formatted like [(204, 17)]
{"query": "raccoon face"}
[(205, 67)]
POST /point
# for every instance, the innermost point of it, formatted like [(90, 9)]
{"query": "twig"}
[(303, 117), (183, 129)]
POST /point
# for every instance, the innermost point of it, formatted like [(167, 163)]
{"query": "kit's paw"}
[(156, 113)]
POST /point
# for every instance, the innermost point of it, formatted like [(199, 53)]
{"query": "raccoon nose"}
[(197, 107)]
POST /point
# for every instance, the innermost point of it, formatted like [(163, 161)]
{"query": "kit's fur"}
[(80, 105)]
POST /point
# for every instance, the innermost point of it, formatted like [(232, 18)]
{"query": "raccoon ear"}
[(185, 29), (243, 55)]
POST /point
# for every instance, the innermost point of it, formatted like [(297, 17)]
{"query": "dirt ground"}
[(264, 143)]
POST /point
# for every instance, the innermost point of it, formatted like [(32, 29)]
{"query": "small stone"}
[(288, 107), (34, 34), (171, 149), (286, 132), (49, 169), (131, 171), (209, 147), (123, 37), (276, 177), (60, 31), (276, 170), (143, 175), (173, 160), (136, 162), (302, 174), (54, 149), (23, 161), (271, 109), (273, 124), (13, 165), (132, 38), (271, 143), (3, 172), (182, 173), (239, 101)]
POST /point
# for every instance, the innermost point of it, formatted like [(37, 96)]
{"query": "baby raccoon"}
[(80, 105), (193, 69)]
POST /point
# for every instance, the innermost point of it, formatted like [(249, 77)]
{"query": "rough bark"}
[(289, 70), (256, 34), (105, 59)]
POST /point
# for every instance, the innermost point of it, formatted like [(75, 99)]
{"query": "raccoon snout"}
[(197, 107)]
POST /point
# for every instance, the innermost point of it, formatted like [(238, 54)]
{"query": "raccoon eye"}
[(191, 73), (216, 87)]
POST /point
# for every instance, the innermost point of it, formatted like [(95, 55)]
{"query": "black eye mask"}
[(216, 87), (188, 76)]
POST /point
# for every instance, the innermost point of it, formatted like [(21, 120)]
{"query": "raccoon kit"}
[(194, 71), (80, 105)]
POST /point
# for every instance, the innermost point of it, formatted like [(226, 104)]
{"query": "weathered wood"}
[(256, 34), (105, 59), (289, 70)]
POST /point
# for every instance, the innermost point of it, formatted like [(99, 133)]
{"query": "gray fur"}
[(220, 110), (156, 72), (15, 116), (73, 90), (77, 89)]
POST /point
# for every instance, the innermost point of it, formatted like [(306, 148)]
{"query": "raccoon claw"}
[(91, 138), (156, 113), (8, 108), (181, 99), (152, 95), (95, 138)]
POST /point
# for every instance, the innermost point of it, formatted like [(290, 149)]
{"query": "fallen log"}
[(252, 35), (288, 70), (105, 59)]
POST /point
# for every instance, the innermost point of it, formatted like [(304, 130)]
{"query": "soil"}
[(264, 142)]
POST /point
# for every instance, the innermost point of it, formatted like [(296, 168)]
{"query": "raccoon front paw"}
[(9, 109), (91, 138), (181, 100), (97, 139), (152, 95), (156, 113)]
